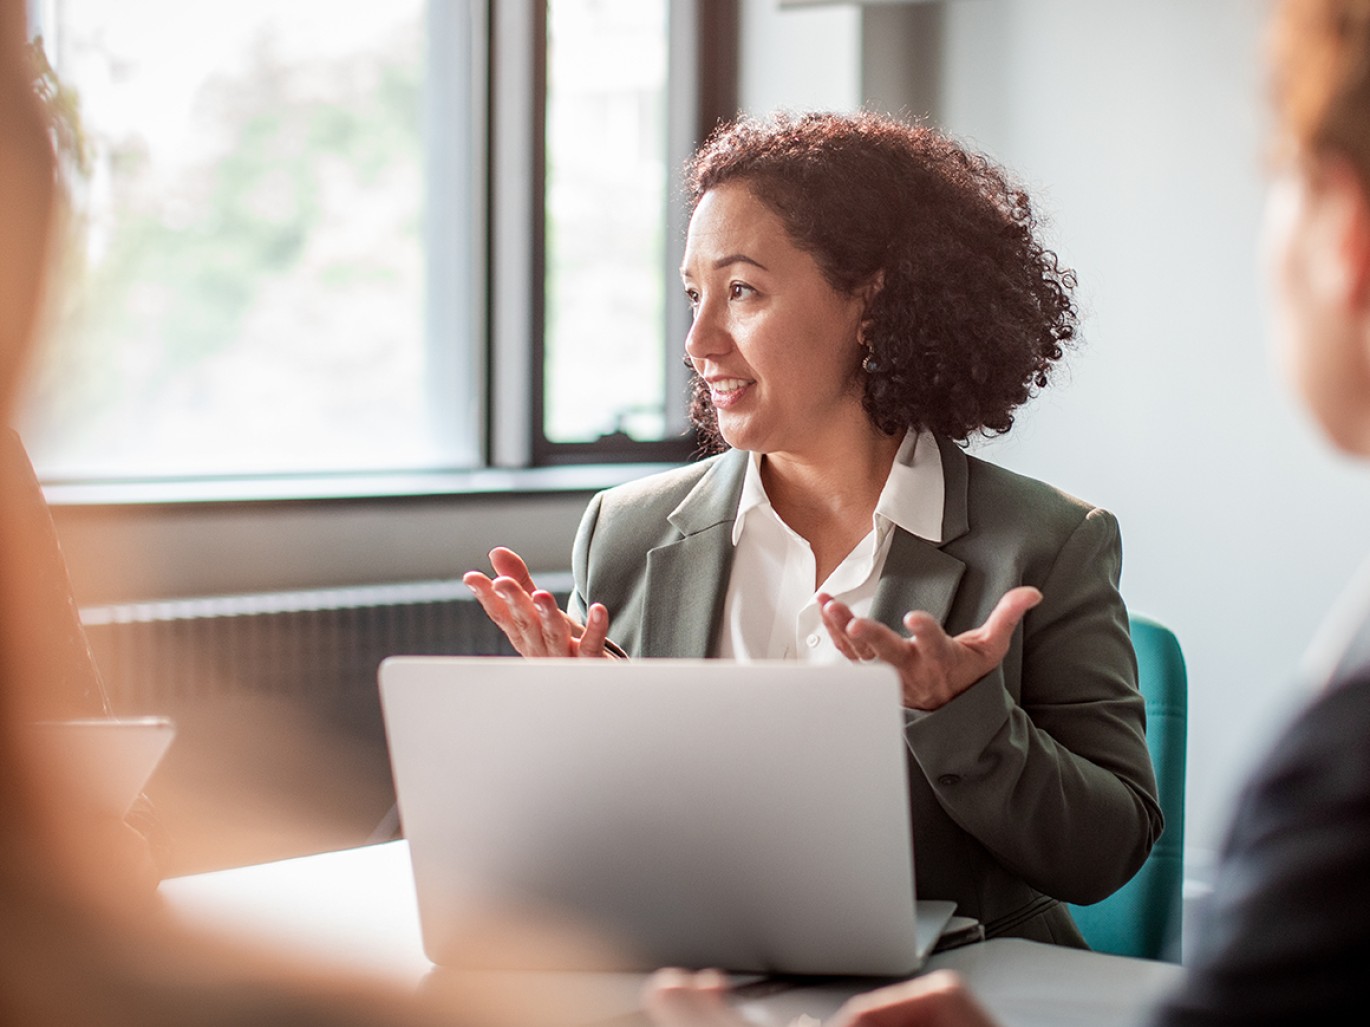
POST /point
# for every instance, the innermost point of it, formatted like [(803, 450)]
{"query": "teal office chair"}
[(1143, 917)]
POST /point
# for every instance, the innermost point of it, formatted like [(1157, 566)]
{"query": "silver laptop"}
[(752, 817)]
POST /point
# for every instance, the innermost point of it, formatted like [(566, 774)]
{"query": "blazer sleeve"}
[(1044, 760)]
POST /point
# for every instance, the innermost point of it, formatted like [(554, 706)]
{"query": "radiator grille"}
[(280, 749)]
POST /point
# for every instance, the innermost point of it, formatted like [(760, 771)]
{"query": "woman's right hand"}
[(529, 616)]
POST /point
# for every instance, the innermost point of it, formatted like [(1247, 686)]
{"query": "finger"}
[(679, 998), (925, 630), (508, 564), (596, 631), (523, 614), (839, 620), (495, 607), (477, 582), (1011, 609), (675, 981), (883, 643), (1003, 619), (836, 616), (556, 630), (939, 999), (521, 619)]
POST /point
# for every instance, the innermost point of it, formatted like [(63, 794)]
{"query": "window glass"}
[(246, 266), (606, 199)]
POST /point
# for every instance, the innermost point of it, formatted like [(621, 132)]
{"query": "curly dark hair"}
[(973, 310)]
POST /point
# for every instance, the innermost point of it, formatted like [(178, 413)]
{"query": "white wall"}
[(802, 59), (1138, 126)]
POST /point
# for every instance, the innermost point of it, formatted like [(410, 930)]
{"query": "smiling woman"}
[(866, 294), (1284, 938)]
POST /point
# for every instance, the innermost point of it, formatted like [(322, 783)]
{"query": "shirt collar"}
[(915, 492), (912, 499), (753, 495)]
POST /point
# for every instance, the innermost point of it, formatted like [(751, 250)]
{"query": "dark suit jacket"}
[(1032, 786), (1285, 937)]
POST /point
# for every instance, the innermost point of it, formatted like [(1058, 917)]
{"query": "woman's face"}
[(1315, 250), (776, 344)]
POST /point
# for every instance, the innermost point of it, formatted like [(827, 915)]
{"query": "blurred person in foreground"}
[(868, 295), (83, 940), (1286, 936)]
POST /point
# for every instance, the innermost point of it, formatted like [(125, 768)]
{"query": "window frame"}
[(702, 90)]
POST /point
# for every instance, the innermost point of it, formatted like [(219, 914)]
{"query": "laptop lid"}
[(752, 817), (105, 760)]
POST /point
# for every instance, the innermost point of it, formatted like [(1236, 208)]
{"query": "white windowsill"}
[(287, 488)]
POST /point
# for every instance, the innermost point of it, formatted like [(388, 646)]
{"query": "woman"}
[(866, 295), (1285, 939)]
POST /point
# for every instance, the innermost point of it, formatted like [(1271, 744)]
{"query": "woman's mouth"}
[(726, 391)]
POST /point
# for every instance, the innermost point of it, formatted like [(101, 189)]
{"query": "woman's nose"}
[(707, 336)]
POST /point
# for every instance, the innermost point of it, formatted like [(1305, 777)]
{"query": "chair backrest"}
[(1143, 917)]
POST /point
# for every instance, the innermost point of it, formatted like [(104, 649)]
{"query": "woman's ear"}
[(873, 285), (1355, 241), (1345, 200)]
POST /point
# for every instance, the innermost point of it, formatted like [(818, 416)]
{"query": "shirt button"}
[(949, 779), (813, 641)]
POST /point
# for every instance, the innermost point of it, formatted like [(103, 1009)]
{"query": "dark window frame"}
[(703, 91)]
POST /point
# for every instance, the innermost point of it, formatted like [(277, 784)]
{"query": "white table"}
[(357, 909)]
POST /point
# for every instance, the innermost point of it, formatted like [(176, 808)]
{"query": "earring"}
[(869, 363)]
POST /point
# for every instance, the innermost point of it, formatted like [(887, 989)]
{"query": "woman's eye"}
[(692, 298), (736, 290)]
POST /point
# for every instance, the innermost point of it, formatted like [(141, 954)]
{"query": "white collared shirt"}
[(770, 611)]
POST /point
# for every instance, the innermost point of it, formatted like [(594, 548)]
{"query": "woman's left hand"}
[(933, 666)]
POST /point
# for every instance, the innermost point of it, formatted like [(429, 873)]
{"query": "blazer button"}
[(949, 779)]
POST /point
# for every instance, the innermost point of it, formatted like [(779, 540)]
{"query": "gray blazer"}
[(1031, 788)]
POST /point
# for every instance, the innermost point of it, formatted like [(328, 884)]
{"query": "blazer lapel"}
[(686, 580), (920, 575)]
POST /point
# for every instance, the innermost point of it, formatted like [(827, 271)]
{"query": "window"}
[(604, 246), (279, 235), (630, 88), (252, 275)]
